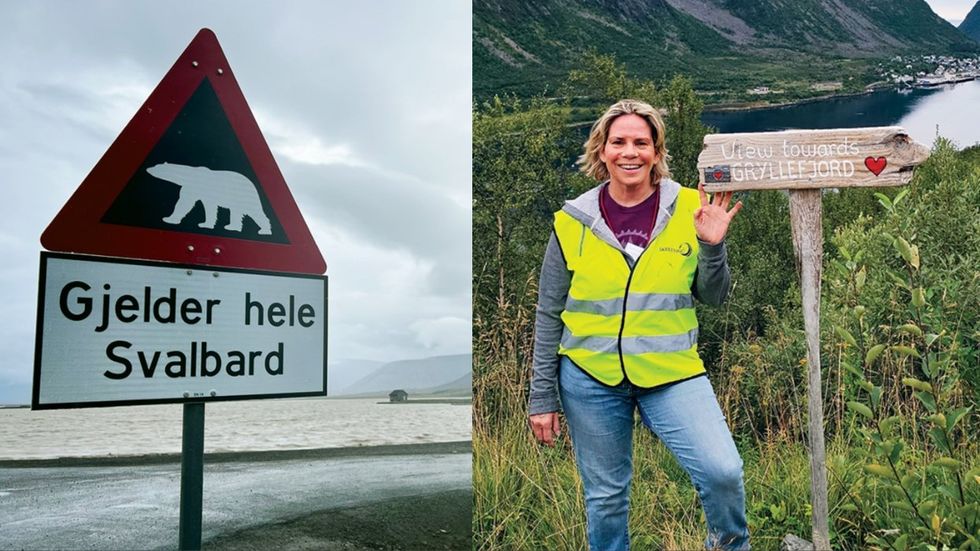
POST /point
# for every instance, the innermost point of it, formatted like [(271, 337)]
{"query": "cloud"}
[(314, 152), (444, 334), (300, 145), (365, 107), (95, 101), (390, 212), (382, 300), (951, 9)]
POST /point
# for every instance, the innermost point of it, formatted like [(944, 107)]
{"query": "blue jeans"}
[(686, 418)]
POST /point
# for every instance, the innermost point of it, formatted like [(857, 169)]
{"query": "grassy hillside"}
[(527, 48)]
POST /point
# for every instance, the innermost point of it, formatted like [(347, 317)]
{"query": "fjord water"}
[(952, 110), (248, 425)]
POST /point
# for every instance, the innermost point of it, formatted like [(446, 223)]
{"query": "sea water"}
[(248, 425), (947, 110)]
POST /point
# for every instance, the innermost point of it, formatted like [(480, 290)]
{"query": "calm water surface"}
[(952, 109), (229, 426)]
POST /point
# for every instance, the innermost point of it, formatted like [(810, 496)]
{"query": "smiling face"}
[(629, 153)]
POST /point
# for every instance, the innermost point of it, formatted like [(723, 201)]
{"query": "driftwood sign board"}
[(809, 159), (803, 162)]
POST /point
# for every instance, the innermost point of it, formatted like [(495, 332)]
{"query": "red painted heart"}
[(718, 174), (876, 165)]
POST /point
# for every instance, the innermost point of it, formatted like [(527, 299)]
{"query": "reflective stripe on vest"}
[(636, 323)]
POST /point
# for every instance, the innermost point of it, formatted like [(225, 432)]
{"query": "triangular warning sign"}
[(190, 180)]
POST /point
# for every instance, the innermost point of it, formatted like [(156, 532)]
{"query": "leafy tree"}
[(685, 131), (520, 177), (605, 81)]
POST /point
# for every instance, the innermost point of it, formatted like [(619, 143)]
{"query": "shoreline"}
[(755, 106), (428, 448), (760, 105), (411, 401)]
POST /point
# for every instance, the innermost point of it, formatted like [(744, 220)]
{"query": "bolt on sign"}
[(207, 285), (804, 162), (806, 159)]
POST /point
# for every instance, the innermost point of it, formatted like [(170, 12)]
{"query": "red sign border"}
[(78, 227)]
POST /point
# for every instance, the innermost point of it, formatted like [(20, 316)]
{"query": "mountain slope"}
[(527, 48), (409, 375), (971, 25), (343, 373), (520, 46), (463, 386)]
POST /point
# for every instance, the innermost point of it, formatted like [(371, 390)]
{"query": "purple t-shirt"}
[(631, 225)]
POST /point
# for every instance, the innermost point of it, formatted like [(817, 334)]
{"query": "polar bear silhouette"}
[(213, 188)]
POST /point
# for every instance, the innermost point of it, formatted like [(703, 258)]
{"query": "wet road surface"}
[(137, 506)]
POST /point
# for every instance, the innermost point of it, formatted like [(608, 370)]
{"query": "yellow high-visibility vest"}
[(635, 323)]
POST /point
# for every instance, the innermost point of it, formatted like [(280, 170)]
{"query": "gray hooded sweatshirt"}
[(711, 283)]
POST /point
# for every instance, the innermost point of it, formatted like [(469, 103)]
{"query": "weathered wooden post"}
[(804, 162)]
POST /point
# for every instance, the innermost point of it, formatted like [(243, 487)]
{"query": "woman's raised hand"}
[(712, 219)]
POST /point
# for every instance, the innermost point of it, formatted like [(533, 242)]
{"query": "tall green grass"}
[(529, 496)]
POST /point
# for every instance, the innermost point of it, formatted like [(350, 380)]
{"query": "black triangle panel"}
[(196, 175)]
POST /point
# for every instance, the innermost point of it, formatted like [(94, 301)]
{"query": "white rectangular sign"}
[(118, 332)]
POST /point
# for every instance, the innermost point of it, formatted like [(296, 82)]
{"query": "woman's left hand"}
[(712, 219)]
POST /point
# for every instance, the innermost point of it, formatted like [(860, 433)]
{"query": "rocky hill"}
[(438, 373), (528, 47), (971, 25)]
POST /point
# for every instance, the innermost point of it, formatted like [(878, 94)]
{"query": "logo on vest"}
[(684, 249)]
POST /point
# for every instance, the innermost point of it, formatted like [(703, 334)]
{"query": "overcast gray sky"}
[(953, 11), (366, 107)]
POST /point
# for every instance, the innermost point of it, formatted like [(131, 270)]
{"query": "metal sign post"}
[(804, 162), (192, 476)]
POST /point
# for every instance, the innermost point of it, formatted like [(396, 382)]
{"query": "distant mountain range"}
[(343, 373), (528, 48), (971, 25), (447, 375)]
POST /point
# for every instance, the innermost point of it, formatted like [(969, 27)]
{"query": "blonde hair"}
[(591, 164)]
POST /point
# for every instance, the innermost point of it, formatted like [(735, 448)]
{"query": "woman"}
[(616, 303)]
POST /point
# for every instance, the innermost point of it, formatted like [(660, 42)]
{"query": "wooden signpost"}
[(804, 162)]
